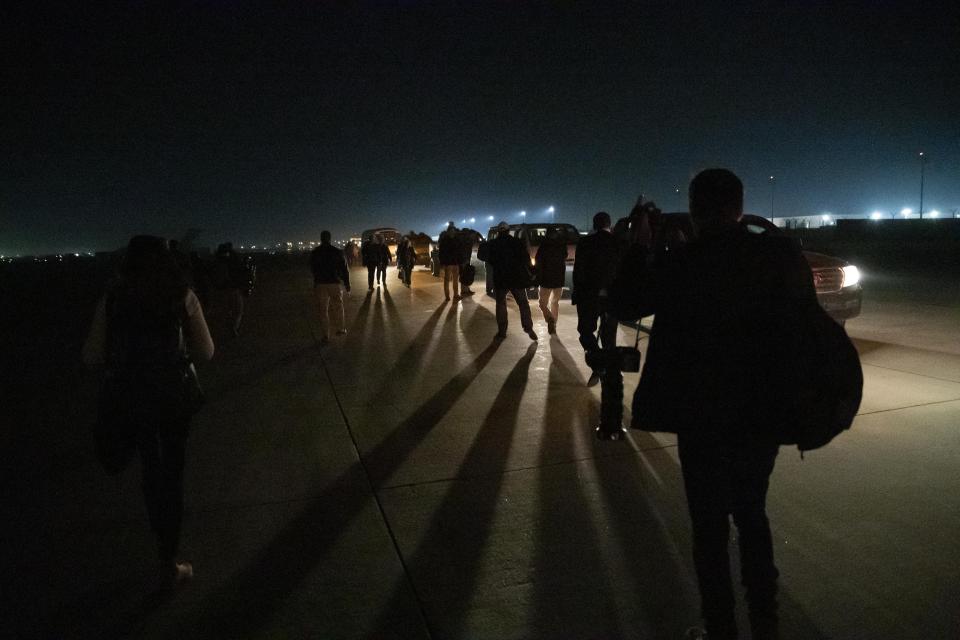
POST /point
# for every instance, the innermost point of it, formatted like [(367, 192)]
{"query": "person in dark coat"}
[(383, 259), (370, 255), (408, 257), (330, 273), (551, 265), (720, 331), (511, 274), (467, 238), (449, 250), (593, 272)]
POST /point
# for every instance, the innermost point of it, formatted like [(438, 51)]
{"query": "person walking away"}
[(330, 273), (146, 330), (720, 331), (512, 274), (551, 269), (383, 259), (229, 275), (466, 271), (449, 254), (593, 272), (409, 257), (401, 258), (370, 256)]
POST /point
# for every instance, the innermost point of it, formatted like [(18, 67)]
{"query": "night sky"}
[(256, 123)]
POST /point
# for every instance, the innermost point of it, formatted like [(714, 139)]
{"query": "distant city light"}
[(523, 213), (490, 218), (550, 209), (934, 214), (876, 215), (472, 220), (906, 211), (825, 217)]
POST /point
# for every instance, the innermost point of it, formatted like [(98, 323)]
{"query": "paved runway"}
[(416, 479)]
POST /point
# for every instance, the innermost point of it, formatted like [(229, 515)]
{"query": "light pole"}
[(923, 162), (773, 190)]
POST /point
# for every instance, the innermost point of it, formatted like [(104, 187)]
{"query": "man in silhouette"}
[(511, 274), (329, 274), (449, 250), (551, 264), (593, 272), (719, 333)]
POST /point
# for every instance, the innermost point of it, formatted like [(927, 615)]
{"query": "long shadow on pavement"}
[(572, 590), (246, 603), (458, 532)]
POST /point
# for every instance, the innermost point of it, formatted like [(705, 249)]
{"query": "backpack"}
[(828, 384), (148, 373)]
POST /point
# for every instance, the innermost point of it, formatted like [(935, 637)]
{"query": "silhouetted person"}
[(330, 273), (383, 258), (449, 253), (551, 265), (145, 330), (370, 255), (718, 328), (232, 274), (511, 274), (594, 270), (466, 272)]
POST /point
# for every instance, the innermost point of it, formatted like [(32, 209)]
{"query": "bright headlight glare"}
[(851, 275)]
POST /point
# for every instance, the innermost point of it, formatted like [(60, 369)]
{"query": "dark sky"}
[(258, 123)]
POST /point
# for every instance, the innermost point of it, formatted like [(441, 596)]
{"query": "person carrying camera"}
[(719, 326), (593, 272)]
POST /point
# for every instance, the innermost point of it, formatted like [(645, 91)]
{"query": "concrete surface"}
[(415, 479)]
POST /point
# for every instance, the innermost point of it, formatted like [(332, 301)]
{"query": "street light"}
[(773, 189), (923, 162), (876, 215), (490, 218), (906, 211), (550, 209), (523, 214)]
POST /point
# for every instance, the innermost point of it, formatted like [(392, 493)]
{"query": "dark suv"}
[(837, 281)]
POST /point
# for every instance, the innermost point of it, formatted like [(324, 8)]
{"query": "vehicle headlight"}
[(851, 276)]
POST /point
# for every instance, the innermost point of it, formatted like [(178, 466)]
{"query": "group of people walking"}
[(719, 300)]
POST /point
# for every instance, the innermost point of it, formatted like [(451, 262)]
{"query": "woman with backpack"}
[(146, 330)]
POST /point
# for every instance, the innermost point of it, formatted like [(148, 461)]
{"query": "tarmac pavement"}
[(417, 479)]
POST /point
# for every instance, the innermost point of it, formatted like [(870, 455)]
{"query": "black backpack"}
[(828, 383)]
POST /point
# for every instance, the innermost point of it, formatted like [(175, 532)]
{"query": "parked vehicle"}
[(532, 236), (837, 282)]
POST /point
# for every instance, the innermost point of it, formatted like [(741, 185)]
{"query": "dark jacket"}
[(551, 263), (726, 323), (383, 254), (449, 246), (598, 255), (369, 253), (329, 266), (510, 261)]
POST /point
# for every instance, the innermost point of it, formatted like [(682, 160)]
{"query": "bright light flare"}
[(876, 215), (550, 209), (906, 211), (851, 276), (934, 214)]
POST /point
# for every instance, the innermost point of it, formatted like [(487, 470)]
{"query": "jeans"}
[(520, 295), (589, 312), (550, 303), (722, 481), (330, 300), (162, 455), (451, 272)]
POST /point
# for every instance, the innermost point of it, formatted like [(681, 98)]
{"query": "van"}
[(532, 236)]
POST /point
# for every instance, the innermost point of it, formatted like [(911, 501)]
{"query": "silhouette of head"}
[(144, 254), (325, 237), (503, 228), (451, 226), (378, 238), (601, 220), (716, 195)]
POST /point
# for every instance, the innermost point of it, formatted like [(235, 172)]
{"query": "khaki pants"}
[(330, 299), (550, 303), (451, 272)]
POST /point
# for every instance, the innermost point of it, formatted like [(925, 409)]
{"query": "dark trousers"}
[(520, 295), (382, 274), (589, 312), (723, 481), (371, 270), (162, 456), (408, 273)]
